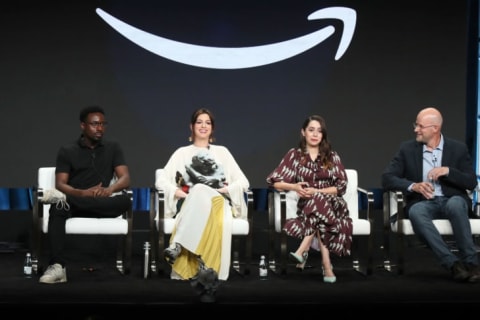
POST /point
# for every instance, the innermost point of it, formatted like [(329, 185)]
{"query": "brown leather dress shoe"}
[(474, 271), (460, 272)]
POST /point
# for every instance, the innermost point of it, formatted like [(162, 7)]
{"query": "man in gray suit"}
[(434, 173)]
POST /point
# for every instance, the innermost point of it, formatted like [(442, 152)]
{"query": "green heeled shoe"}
[(331, 279), (301, 266), (299, 260)]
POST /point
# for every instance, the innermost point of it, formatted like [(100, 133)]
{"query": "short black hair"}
[(90, 109)]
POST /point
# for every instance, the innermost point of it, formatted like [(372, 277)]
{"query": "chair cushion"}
[(96, 226), (361, 227), (117, 225), (443, 226), (239, 226)]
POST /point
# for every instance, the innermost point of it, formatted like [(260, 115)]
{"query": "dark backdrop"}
[(57, 57)]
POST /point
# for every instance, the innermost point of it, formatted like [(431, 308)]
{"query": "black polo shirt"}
[(88, 167)]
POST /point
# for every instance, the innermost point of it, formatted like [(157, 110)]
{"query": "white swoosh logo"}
[(238, 58)]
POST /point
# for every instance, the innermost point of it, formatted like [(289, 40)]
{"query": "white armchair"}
[(283, 205), (120, 226), (161, 228), (398, 230)]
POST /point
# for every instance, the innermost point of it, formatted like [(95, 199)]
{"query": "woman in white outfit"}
[(204, 189)]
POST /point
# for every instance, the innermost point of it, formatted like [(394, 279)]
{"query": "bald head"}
[(430, 116), (428, 127)]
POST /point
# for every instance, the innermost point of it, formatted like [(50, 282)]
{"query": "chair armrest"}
[(153, 206), (398, 198), (283, 207), (368, 196), (250, 205), (129, 214), (37, 203), (393, 204), (157, 211)]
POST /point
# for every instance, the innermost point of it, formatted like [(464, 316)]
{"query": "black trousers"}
[(89, 207)]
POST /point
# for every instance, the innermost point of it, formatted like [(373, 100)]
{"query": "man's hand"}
[(98, 191), (425, 188)]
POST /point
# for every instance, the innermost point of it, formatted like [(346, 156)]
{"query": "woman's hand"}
[(302, 189), (180, 194), (223, 190)]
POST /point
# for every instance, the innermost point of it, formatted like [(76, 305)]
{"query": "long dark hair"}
[(324, 148)]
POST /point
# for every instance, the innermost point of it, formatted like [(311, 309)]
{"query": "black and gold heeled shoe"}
[(205, 282), (172, 252)]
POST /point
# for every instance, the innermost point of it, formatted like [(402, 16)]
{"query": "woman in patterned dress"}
[(315, 172)]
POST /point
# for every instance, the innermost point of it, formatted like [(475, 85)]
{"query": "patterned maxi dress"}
[(326, 213)]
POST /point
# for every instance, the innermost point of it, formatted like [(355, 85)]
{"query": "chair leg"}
[(283, 253), (154, 263), (363, 262), (161, 247), (235, 265), (272, 263), (36, 252), (248, 251), (236, 261), (370, 241), (120, 254), (37, 261), (401, 251), (37, 233), (356, 256), (387, 263), (128, 253)]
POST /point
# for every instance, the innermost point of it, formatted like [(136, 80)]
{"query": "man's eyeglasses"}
[(416, 125), (96, 124)]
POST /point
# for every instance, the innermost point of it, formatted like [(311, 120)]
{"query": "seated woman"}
[(204, 183), (315, 172)]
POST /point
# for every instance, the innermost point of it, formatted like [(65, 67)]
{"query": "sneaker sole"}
[(52, 282)]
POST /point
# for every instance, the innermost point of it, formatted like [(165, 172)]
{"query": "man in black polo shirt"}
[(83, 185)]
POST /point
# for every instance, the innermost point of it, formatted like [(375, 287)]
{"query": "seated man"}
[(84, 170), (434, 173)]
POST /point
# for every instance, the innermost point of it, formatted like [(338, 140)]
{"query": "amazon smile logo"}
[(242, 57)]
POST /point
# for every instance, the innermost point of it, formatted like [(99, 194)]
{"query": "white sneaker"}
[(53, 196), (54, 274)]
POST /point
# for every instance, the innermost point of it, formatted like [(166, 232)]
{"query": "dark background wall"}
[(57, 57)]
